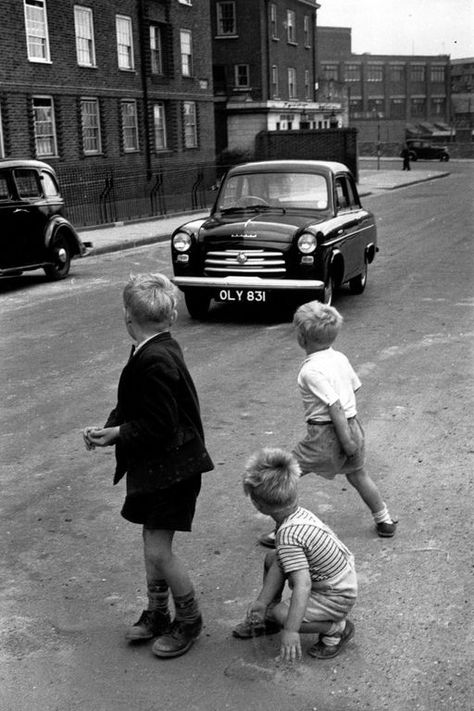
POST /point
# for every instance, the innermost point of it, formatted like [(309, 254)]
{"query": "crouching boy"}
[(317, 565)]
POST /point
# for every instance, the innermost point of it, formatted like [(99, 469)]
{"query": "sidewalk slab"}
[(137, 233)]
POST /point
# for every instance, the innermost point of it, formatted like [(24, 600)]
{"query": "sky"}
[(404, 26)]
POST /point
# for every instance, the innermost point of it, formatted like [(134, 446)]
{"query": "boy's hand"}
[(103, 437), (350, 448), (256, 612), (86, 436), (290, 646)]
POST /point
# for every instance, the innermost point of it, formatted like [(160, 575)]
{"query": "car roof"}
[(25, 163), (321, 166)]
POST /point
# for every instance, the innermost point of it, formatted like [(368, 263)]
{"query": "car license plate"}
[(246, 296)]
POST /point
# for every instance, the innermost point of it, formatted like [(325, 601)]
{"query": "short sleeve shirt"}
[(325, 377)]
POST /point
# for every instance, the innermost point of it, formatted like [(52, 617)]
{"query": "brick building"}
[(385, 96), (462, 98), (123, 85), (264, 57)]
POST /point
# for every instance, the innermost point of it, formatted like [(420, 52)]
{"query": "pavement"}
[(127, 235)]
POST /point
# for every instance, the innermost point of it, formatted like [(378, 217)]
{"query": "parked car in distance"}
[(426, 150), (287, 227), (34, 232)]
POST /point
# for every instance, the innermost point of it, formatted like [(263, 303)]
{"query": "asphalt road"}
[(71, 574)]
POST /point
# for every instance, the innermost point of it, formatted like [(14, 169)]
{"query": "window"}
[(306, 32), (397, 72), (226, 22), (36, 25), (291, 83), (156, 50), (418, 106), (2, 144), (241, 76), (330, 71), (44, 126), (27, 183), (437, 75), (273, 21), (375, 105), (124, 42), (129, 126), (352, 72), (374, 72), (307, 88), (417, 72), (290, 26), (50, 187), (274, 81), (4, 189), (438, 105), (397, 108), (186, 2), (84, 28), (90, 124), (190, 127), (186, 52), (159, 123)]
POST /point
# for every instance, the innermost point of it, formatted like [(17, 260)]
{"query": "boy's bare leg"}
[(162, 564), (367, 489)]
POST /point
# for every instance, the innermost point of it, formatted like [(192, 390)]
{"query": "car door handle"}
[(341, 231), (19, 210)]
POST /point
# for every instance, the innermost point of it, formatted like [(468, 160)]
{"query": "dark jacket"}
[(161, 434)]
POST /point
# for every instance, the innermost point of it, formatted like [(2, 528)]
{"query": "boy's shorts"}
[(320, 451), (331, 601), (170, 509)]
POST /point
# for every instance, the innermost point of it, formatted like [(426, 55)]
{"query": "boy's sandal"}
[(325, 651), (387, 530), (267, 540), (247, 630)]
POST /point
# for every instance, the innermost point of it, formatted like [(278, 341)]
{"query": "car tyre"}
[(61, 258), (413, 157), (444, 159), (359, 282), (327, 296), (197, 303)]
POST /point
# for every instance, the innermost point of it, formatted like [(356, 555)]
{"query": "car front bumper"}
[(238, 282)]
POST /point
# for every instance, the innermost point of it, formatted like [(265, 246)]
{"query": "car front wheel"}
[(60, 258), (327, 296), (359, 282), (197, 303)]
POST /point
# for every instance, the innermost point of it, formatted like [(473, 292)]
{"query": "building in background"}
[(462, 98), (125, 85), (386, 97), (265, 70)]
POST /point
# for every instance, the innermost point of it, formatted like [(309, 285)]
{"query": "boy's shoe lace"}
[(152, 623), (178, 639)]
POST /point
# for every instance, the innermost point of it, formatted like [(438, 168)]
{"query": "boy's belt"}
[(325, 422)]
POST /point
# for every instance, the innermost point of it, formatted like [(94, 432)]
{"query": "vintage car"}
[(424, 150), (34, 232), (286, 227)]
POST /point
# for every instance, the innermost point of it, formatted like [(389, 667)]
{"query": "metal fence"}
[(105, 195)]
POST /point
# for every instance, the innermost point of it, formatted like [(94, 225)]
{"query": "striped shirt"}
[(304, 542)]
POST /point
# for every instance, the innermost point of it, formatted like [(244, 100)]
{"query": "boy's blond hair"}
[(150, 298), (271, 477), (317, 322)]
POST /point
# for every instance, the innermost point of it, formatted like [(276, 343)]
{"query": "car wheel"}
[(444, 159), (197, 303), (359, 282), (61, 259), (413, 157), (327, 296)]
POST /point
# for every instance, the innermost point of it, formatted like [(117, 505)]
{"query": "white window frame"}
[(186, 2), (156, 50), (38, 122), (291, 26), (124, 38), (437, 73), (186, 48), (307, 86), (159, 126), (238, 75), (274, 20), (221, 20), (84, 31), (375, 73), (90, 126), (291, 83), (275, 84), (129, 129), (190, 126), (306, 31), (2, 142), (36, 30)]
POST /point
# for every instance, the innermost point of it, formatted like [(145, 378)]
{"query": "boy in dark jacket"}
[(159, 442)]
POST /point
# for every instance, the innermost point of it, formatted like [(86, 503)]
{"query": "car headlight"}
[(182, 241), (307, 243)]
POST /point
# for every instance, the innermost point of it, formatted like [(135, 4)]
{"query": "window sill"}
[(37, 60), (87, 66), (224, 37)]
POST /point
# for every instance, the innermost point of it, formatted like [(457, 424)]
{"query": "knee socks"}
[(383, 515), (158, 595), (186, 608)]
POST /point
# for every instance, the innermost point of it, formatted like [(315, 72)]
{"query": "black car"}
[(34, 232), (426, 150), (277, 228)]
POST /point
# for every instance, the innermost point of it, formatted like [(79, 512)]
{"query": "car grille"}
[(257, 262)]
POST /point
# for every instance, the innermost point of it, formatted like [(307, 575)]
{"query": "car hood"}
[(268, 228)]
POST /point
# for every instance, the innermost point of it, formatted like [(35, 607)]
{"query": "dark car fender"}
[(60, 224)]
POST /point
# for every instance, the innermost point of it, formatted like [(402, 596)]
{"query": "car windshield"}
[(300, 191)]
